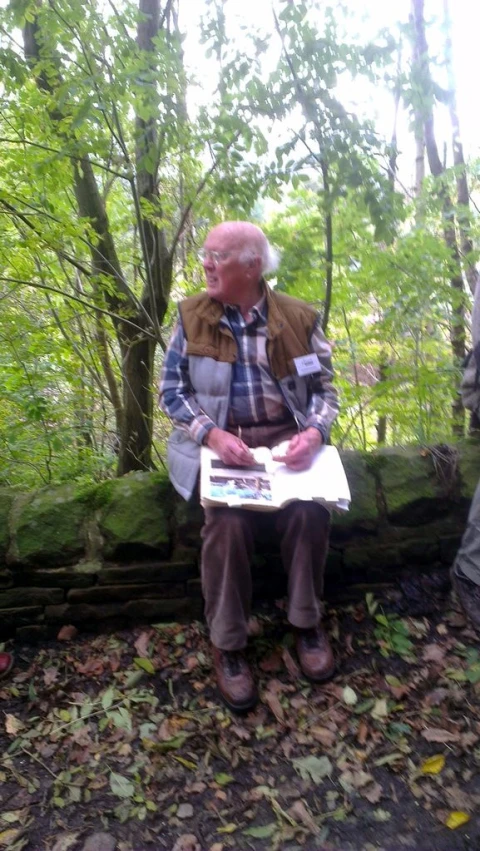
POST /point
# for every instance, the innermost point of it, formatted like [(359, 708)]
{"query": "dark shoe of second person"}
[(6, 664), (234, 679), (315, 654), (468, 594)]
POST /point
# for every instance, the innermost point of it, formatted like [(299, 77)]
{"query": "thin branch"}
[(144, 331), (63, 152)]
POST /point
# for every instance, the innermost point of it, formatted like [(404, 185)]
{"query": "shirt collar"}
[(258, 311)]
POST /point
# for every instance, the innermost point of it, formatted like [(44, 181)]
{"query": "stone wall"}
[(126, 550)]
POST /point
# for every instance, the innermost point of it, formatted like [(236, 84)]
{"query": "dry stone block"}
[(363, 513), (62, 577), (120, 593), (30, 597), (32, 634), (134, 515), (48, 528), (20, 616), (147, 572)]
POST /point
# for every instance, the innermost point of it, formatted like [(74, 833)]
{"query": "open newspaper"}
[(268, 485)]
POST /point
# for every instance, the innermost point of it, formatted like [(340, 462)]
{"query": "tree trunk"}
[(463, 195), (457, 328), (328, 246), (138, 355), (137, 341)]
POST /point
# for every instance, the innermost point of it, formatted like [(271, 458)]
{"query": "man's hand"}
[(230, 449), (301, 450)]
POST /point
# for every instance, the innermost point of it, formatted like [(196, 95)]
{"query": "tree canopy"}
[(117, 157)]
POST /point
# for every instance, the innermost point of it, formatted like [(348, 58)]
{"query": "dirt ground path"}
[(118, 741)]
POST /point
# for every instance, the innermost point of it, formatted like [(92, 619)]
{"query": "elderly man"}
[(249, 367)]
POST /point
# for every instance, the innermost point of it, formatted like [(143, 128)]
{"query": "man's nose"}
[(208, 262)]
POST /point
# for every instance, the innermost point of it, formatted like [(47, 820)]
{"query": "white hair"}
[(269, 256), (270, 259)]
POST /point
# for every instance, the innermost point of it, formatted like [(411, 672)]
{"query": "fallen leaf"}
[(50, 676), (435, 734), (354, 779), (272, 663), (362, 732), (67, 632), (433, 765), (144, 664), (456, 819), (372, 793), (254, 627), (65, 841), (7, 837), (290, 664), (13, 725), (299, 811), (313, 768), (262, 832), (91, 668), (433, 653), (228, 828), (187, 842), (349, 696), (143, 642), (120, 786), (323, 735), (184, 811), (382, 815), (224, 779), (380, 709), (275, 706), (100, 841)]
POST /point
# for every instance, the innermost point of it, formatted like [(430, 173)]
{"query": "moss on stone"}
[(363, 508), (137, 513), (407, 477), (49, 527)]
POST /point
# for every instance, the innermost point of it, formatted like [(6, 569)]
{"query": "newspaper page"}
[(269, 485)]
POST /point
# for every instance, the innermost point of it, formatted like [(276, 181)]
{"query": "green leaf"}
[(145, 664), (263, 832), (120, 786), (224, 779), (108, 697), (313, 768)]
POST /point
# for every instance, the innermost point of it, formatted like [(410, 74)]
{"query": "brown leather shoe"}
[(6, 664), (468, 594), (234, 679), (314, 654)]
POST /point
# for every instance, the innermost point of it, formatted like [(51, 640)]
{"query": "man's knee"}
[(309, 512), (227, 522)]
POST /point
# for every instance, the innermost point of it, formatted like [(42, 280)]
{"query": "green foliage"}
[(392, 635), (271, 130)]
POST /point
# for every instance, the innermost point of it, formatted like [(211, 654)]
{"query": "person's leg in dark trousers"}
[(227, 551), (303, 528), (465, 573)]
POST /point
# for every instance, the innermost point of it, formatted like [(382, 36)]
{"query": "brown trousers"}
[(229, 534)]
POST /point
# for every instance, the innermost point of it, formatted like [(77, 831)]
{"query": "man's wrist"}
[(315, 436)]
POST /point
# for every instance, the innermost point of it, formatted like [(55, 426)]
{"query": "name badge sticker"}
[(307, 364)]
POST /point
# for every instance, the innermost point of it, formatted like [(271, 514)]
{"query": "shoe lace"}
[(311, 639), (233, 662)]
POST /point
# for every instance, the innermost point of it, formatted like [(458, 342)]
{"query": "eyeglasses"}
[(215, 256)]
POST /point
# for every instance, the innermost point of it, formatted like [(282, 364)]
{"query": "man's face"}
[(228, 278)]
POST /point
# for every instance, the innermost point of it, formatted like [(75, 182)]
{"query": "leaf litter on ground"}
[(124, 732)]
